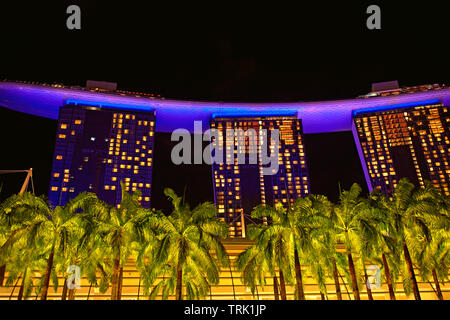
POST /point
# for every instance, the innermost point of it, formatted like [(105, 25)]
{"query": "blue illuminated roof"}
[(396, 106), (317, 117)]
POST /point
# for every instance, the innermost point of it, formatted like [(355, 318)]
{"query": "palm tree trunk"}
[(48, 271), (351, 268), (64, 292), (298, 276), (437, 285), (119, 287), (20, 296), (369, 291), (14, 288), (89, 291), (412, 276), (388, 277), (282, 286), (22, 286), (336, 280), (2, 274), (179, 288), (275, 287), (115, 279), (71, 294), (72, 291), (322, 296)]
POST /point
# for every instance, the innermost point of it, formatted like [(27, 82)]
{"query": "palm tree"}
[(16, 215), (386, 244), (322, 255), (430, 243), (409, 209), (257, 261), (291, 231), (121, 229), (21, 265), (58, 231), (355, 227), (183, 251)]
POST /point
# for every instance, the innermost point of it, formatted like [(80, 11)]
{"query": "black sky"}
[(219, 52)]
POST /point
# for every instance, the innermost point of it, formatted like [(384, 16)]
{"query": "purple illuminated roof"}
[(317, 117)]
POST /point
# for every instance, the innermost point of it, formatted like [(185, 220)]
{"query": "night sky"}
[(216, 53)]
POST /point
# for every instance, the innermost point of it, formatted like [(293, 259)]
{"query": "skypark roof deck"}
[(317, 117)]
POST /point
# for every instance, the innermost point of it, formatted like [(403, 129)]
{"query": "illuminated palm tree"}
[(58, 231), (430, 241), (386, 243), (355, 228), (409, 209), (183, 253), (16, 216), (21, 265), (322, 256), (292, 231), (257, 261), (121, 229)]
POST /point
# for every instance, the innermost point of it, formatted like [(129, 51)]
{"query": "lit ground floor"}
[(230, 286)]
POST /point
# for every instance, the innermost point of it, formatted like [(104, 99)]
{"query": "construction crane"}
[(27, 179)]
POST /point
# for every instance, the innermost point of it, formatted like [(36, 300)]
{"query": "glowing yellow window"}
[(114, 178), (113, 187), (56, 174), (147, 198), (77, 121), (58, 157), (147, 185), (54, 188), (63, 126)]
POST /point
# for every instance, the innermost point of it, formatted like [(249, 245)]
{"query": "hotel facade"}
[(239, 187), (407, 141), (106, 136), (97, 148)]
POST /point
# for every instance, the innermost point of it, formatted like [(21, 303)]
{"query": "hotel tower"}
[(239, 187), (411, 141), (98, 147)]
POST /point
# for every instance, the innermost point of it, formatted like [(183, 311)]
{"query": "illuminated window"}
[(54, 188), (77, 121), (56, 174), (59, 157), (63, 126), (62, 136)]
